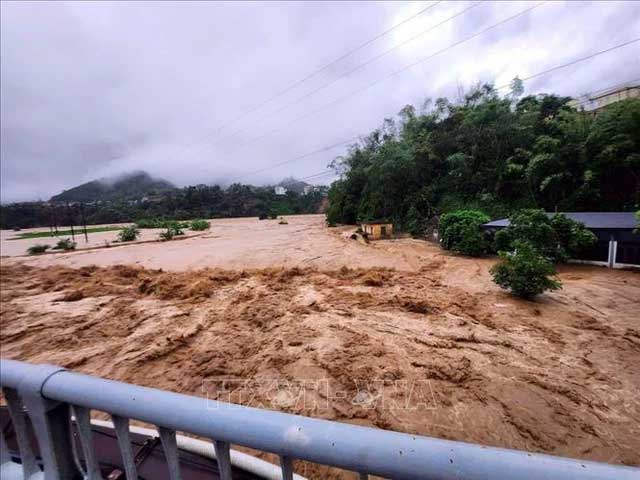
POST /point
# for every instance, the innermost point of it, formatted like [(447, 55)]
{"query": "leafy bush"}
[(525, 271), (37, 249), (150, 223), (176, 227), (263, 216), (65, 244), (460, 231), (199, 225), (573, 237), (557, 238), (161, 223), (128, 234), (166, 235), (173, 229)]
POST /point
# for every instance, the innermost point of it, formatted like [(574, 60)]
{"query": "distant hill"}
[(133, 185), (294, 185)]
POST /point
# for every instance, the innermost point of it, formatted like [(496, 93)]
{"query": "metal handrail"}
[(48, 392)]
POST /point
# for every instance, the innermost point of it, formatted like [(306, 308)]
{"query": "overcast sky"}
[(94, 89)]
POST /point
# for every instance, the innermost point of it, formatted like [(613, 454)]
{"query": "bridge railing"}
[(49, 395)]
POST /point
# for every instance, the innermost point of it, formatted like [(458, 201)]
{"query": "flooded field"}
[(394, 334)]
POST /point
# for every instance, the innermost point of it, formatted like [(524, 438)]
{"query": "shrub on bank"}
[(460, 231), (525, 271), (37, 249), (173, 229), (65, 244), (128, 234), (199, 225), (161, 223)]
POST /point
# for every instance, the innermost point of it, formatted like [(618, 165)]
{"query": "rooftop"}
[(624, 220)]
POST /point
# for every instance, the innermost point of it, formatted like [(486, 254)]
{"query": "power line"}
[(558, 67), (590, 95), (595, 92), (573, 62), (246, 112), (397, 72), (299, 157), (315, 176), (405, 68), (386, 78), (356, 68)]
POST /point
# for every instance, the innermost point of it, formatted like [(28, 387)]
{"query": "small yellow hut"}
[(377, 230)]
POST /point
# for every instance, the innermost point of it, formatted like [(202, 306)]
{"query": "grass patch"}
[(77, 231)]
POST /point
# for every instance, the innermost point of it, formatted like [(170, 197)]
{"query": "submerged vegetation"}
[(38, 249), (65, 244), (128, 234)]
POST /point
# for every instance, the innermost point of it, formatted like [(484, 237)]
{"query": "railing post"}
[(51, 424), (224, 459), (121, 425), (286, 464), (19, 421)]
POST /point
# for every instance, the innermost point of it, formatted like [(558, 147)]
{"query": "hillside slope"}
[(129, 186)]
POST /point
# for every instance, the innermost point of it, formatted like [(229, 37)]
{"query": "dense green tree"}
[(460, 231), (496, 154), (556, 237)]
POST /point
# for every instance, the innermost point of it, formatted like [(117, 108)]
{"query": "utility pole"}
[(73, 237), (55, 220), (51, 220), (84, 223)]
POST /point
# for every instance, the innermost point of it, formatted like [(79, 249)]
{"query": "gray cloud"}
[(97, 88)]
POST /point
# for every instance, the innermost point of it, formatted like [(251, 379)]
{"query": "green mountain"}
[(130, 186)]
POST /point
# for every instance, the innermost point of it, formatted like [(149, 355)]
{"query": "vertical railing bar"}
[(19, 421), (8, 467), (287, 467), (5, 456), (121, 425), (170, 447), (224, 458), (83, 423)]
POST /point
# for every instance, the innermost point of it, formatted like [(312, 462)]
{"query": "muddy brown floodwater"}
[(397, 335)]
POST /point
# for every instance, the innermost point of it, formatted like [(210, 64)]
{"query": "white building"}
[(279, 190)]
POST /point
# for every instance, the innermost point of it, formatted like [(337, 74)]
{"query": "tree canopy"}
[(494, 153)]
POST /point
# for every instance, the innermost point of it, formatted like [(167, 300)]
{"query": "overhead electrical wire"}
[(354, 69), (299, 157), (399, 71), (287, 89), (530, 77), (573, 62), (590, 95), (495, 25)]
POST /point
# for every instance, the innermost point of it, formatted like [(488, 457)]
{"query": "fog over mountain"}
[(95, 89)]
